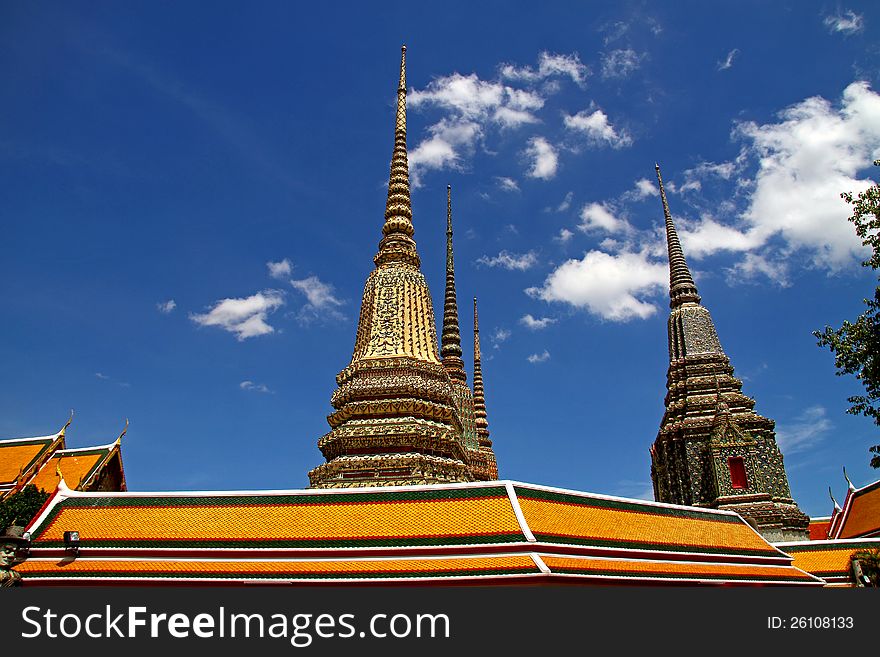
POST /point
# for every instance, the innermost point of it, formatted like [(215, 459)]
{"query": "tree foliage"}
[(21, 507), (856, 345)]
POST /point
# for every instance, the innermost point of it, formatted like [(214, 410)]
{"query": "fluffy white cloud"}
[(645, 188), (510, 261), (847, 22), (500, 336), (597, 128), (566, 203), (471, 105), (543, 357), (536, 324), (614, 287), (246, 318), (620, 63), (549, 66), (280, 270), (708, 236), (166, 307), (545, 161), (754, 265), (804, 161), (727, 62), (598, 216)]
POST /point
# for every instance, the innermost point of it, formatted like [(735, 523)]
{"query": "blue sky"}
[(191, 201)]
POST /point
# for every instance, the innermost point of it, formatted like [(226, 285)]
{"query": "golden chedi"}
[(395, 420)]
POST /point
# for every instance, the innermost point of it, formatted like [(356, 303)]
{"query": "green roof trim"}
[(622, 505), (662, 547)]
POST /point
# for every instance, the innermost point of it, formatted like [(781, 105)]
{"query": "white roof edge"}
[(385, 489), (843, 542), (108, 446), (817, 518), (51, 437)]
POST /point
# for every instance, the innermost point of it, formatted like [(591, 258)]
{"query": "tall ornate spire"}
[(479, 392), (397, 243), (396, 419), (490, 465), (450, 341), (713, 449), (681, 284)]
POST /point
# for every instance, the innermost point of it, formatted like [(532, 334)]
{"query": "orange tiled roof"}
[(78, 466), (861, 513), (485, 529), (819, 528), (20, 455), (829, 560)]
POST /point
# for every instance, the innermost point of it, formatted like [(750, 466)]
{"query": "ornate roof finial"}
[(681, 284), (397, 243), (450, 341), (836, 505), (124, 430), (482, 423), (848, 482), (67, 424)]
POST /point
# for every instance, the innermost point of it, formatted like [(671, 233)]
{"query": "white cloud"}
[(728, 61), (322, 302), (279, 270), (510, 261), (246, 318), (499, 336), (471, 105), (166, 307), (707, 236), (620, 63), (544, 158), (614, 287), (255, 387), (847, 22), (704, 170), (596, 127), (564, 235), (534, 359), (103, 377), (599, 216), (645, 188), (566, 203), (804, 161), (536, 324), (549, 66), (754, 265), (804, 432), (507, 184)]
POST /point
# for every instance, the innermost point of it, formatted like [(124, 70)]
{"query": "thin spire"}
[(397, 243), (450, 342), (481, 421), (681, 283)]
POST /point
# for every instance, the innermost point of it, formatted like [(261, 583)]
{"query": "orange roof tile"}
[(593, 520), (346, 569), (78, 466), (671, 570), (17, 456), (819, 528), (312, 519), (827, 559), (862, 513)]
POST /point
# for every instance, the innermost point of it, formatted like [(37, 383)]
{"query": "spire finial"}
[(397, 244), (848, 482), (681, 284), (450, 341)]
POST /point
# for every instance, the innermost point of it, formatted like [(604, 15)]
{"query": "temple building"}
[(409, 492), (713, 450), (39, 460)]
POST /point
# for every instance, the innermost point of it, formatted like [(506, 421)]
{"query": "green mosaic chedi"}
[(713, 450)]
